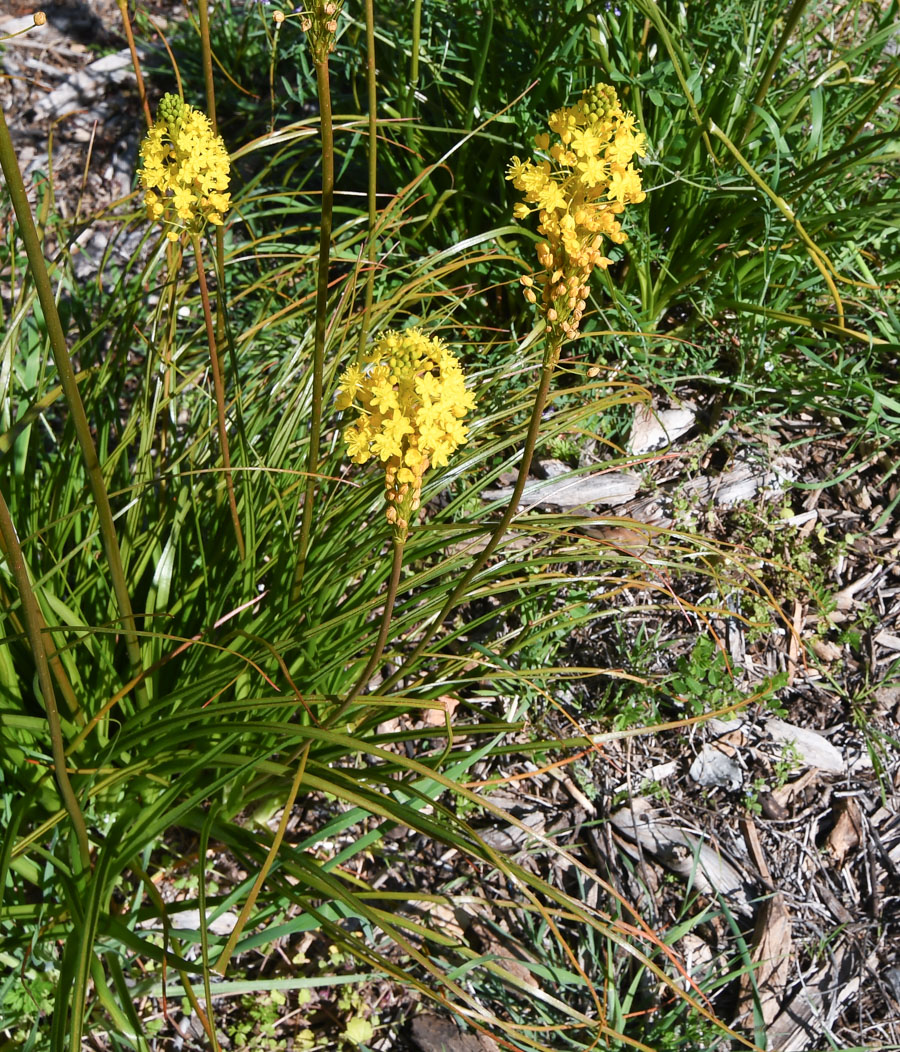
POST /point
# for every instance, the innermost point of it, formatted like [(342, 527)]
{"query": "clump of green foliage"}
[(214, 646)]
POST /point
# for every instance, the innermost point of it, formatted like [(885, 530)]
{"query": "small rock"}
[(813, 749), (431, 1033), (656, 428), (714, 767)]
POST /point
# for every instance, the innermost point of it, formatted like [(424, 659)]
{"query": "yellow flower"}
[(578, 193), (412, 398), (185, 169), (357, 439)]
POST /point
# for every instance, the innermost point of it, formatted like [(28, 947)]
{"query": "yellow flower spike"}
[(588, 181), (185, 170), (413, 399)]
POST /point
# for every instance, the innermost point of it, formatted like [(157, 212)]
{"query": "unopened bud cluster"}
[(411, 397), (578, 191), (320, 22), (185, 169)]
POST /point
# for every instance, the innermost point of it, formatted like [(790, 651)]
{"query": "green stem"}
[(219, 388), (173, 265), (315, 426), (73, 709), (206, 53), (272, 62), (390, 598), (551, 357), (790, 24), (222, 963), (413, 58), (486, 35), (60, 351), (33, 624), (824, 265), (372, 247)]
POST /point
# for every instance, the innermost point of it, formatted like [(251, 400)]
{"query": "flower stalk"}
[(579, 185), (219, 391), (399, 543), (185, 175), (320, 24), (409, 397), (372, 188)]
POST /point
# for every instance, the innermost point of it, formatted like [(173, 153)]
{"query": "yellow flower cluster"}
[(586, 182), (411, 395), (185, 169)]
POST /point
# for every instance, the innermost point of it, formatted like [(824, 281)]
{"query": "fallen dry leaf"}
[(437, 715), (847, 831), (784, 795), (825, 651), (770, 953)]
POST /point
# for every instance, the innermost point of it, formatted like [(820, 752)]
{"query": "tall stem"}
[(551, 357), (372, 246), (315, 426), (390, 598), (206, 53), (173, 264), (135, 61), (219, 389), (787, 32), (209, 84), (33, 623), (60, 351), (486, 34), (414, 59)]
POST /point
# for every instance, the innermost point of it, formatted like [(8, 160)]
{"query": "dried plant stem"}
[(219, 389), (135, 61), (315, 426), (555, 341), (378, 650), (60, 351), (222, 963), (34, 622)]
